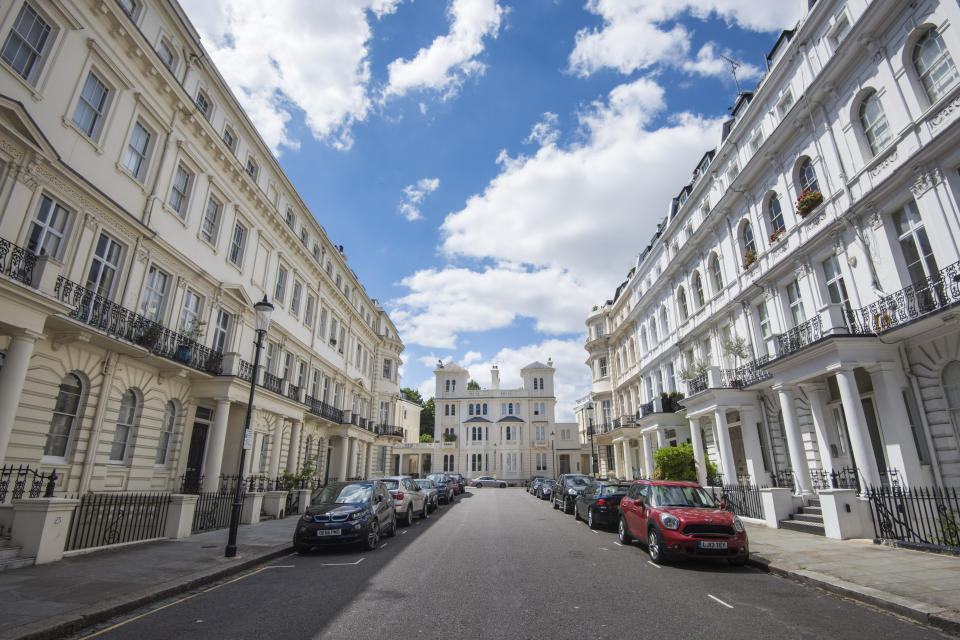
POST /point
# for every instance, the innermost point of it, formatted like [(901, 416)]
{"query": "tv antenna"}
[(734, 65)]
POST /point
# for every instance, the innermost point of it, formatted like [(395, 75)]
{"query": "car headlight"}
[(307, 517), (357, 515), (738, 525), (670, 521), (572, 492)]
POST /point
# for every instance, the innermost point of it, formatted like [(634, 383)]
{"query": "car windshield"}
[(391, 484), (436, 477), (616, 490), (343, 494), (577, 481), (676, 496), (423, 484)]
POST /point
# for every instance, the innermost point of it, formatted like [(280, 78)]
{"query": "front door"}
[(739, 457), (564, 463), (198, 445), (876, 442)]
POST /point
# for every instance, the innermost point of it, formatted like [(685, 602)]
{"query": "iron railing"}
[(742, 499), (843, 478), (293, 392), (272, 383), (646, 409), (324, 410), (782, 479), (697, 385), (121, 323), (17, 262), (917, 300), (212, 511), (246, 371), (800, 336), (730, 379), (388, 430), (19, 480), (102, 519), (753, 372), (921, 516)]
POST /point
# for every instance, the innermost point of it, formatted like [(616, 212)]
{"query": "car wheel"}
[(554, 501), (625, 537), (392, 531), (503, 485), (408, 516), (566, 505), (655, 547), (373, 537), (426, 511), (590, 521), (576, 512), (739, 562)]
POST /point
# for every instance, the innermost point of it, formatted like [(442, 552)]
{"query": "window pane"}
[(26, 43)]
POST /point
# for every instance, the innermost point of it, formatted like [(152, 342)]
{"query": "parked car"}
[(445, 490), (599, 503), (677, 519), (430, 489), (532, 485), (488, 481), (346, 513), (461, 483), (542, 488), (566, 489), (407, 498)]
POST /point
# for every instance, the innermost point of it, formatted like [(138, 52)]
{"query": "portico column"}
[(661, 443), (213, 461), (276, 440), (399, 464), (901, 448), (752, 448), (12, 376), (344, 446), (647, 456), (627, 460), (696, 439), (815, 396), (723, 443), (352, 458), (860, 443), (798, 458), (293, 450)]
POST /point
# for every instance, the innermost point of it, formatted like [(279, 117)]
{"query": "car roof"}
[(669, 483)]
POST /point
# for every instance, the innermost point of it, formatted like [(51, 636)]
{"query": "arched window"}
[(698, 297), (682, 303), (775, 214), (716, 274), (64, 416), (643, 341), (746, 235), (950, 379), (654, 339), (126, 422), (806, 177), (664, 324), (874, 123), (166, 432), (470, 406), (934, 65), (484, 408)]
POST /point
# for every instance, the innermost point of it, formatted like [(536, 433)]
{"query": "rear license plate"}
[(336, 532), (710, 544)]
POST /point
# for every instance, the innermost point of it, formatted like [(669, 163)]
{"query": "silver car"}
[(430, 489), (408, 498)]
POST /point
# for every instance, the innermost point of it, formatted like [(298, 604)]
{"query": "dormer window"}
[(291, 219), (251, 167), (204, 104), (165, 52), (230, 139)]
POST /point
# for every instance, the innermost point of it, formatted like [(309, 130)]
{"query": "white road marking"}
[(594, 531), (618, 544), (404, 532), (604, 549), (342, 564), (281, 566), (383, 545), (720, 601), (652, 564)]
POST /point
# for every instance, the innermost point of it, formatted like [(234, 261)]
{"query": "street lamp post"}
[(593, 450), (553, 454), (262, 311)]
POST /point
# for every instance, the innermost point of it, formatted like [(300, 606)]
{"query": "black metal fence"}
[(924, 516), (17, 262), (843, 478), (940, 291), (742, 499), (17, 481), (102, 519), (782, 479), (212, 511)]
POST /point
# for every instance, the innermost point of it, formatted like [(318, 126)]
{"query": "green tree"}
[(426, 437), (426, 417), (412, 395), (473, 385), (677, 463)]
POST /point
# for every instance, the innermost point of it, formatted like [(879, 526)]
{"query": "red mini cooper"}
[(677, 519)]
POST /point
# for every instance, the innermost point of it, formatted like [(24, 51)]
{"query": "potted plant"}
[(694, 369), (776, 235), (749, 258), (188, 339), (212, 365), (809, 200), (735, 347), (449, 436), (150, 336)]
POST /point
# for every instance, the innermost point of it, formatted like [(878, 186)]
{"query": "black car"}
[(445, 491), (346, 513), (534, 483), (566, 489), (599, 503), (542, 488)]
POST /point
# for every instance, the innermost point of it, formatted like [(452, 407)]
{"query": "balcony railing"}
[(646, 409), (388, 430), (16, 262), (293, 392), (358, 421), (697, 385), (753, 371), (800, 336), (246, 371), (272, 383), (119, 322), (324, 410), (917, 300)]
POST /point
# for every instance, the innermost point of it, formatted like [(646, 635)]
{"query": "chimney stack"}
[(494, 378)]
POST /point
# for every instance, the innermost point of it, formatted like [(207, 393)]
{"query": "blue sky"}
[(492, 167)]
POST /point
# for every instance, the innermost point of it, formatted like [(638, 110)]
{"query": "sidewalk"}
[(918, 585), (51, 600)]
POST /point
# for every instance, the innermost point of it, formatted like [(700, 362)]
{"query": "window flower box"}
[(749, 258), (776, 235), (808, 201)]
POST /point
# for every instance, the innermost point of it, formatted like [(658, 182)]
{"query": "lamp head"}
[(262, 312)]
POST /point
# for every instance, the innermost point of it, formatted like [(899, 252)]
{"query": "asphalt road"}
[(501, 564)]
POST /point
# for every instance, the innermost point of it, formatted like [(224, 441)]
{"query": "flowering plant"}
[(776, 235), (809, 200), (749, 258)]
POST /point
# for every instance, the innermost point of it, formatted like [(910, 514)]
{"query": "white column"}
[(815, 396), (723, 443), (352, 458), (866, 463), (627, 460), (751, 445), (647, 456), (276, 440), (344, 452), (798, 457), (661, 443), (12, 376), (368, 472), (293, 451), (399, 464), (696, 439), (213, 460), (901, 449)]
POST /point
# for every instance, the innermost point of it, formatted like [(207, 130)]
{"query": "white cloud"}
[(637, 34), (413, 195), (451, 58), (709, 63), (298, 54), (544, 132)]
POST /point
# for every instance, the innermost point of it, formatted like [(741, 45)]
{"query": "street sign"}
[(248, 439)]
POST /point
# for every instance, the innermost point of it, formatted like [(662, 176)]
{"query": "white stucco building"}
[(141, 216), (848, 358)]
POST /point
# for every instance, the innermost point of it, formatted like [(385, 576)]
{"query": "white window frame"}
[(55, 225), (135, 159), (179, 198), (238, 243)]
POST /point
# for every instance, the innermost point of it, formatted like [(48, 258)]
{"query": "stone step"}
[(811, 510), (805, 527), (813, 502), (808, 517), (9, 552), (16, 563)]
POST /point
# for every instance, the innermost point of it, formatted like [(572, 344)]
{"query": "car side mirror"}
[(722, 505)]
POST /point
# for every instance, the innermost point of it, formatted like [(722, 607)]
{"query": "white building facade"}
[(799, 296), (141, 216)]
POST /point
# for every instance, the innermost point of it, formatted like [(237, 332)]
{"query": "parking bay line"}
[(618, 544), (720, 601), (653, 564), (342, 564)]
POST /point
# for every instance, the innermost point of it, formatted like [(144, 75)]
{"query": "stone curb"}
[(67, 623), (935, 616)]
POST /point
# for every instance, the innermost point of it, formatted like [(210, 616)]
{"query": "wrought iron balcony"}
[(119, 322), (324, 410), (359, 421), (799, 337), (646, 409), (697, 385), (915, 301), (272, 383), (753, 372), (246, 371), (16, 262), (388, 430), (293, 392)]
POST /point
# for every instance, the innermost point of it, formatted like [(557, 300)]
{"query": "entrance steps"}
[(809, 519), (10, 557)]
